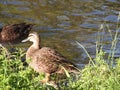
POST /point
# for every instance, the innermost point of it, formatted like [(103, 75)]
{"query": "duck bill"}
[(25, 40)]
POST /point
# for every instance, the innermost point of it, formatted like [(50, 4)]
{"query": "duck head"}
[(32, 37)]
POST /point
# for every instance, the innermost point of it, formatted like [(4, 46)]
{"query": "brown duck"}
[(14, 33), (45, 59)]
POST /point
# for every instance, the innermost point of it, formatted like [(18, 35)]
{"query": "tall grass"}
[(104, 71), (99, 74)]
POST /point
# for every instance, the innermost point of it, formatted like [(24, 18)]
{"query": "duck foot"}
[(43, 81), (50, 83)]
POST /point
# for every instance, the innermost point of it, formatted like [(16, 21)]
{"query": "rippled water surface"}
[(62, 22)]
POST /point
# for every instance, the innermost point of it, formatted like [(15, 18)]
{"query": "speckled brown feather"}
[(47, 60), (14, 33)]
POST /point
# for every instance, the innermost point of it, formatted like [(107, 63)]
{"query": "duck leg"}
[(47, 78)]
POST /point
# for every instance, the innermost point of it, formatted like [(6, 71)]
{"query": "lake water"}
[(63, 22)]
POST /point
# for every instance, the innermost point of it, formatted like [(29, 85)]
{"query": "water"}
[(62, 22)]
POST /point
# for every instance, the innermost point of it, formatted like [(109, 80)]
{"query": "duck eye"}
[(30, 35)]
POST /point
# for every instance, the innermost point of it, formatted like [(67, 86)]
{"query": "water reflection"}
[(62, 22)]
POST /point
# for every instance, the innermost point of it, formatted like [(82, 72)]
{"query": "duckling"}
[(14, 33), (45, 59)]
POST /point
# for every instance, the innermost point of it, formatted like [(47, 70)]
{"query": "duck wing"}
[(53, 56), (48, 60)]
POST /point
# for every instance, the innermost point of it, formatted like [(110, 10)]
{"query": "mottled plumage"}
[(14, 33), (45, 59)]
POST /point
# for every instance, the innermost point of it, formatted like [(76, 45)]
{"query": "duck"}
[(45, 59), (14, 33)]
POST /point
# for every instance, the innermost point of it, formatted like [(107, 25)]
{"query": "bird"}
[(14, 33), (45, 59)]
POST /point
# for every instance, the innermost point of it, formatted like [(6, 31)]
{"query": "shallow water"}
[(62, 22)]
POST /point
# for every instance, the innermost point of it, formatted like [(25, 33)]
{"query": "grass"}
[(98, 76), (102, 72)]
